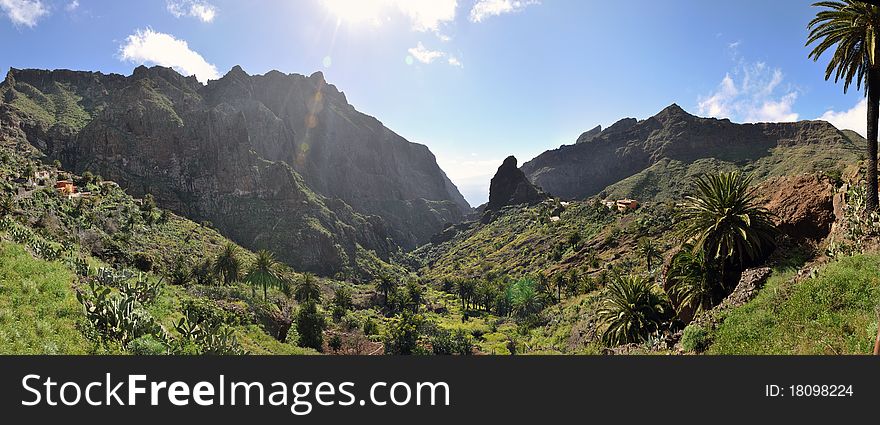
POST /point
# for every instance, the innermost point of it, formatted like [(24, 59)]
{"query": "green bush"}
[(695, 338), (147, 345)]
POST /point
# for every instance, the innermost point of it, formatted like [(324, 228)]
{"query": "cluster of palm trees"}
[(722, 229)]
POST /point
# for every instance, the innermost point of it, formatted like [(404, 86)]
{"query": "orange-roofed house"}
[(65, 187)]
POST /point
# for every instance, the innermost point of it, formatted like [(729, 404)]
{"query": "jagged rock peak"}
[(511, 187), (236, 71), (673, 113)]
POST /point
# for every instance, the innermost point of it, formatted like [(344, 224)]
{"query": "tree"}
[(724, 220), (227, 265), (310, 324), (560, 283), (414, 295), (384, 285), (631, 309), (263, 273), (851, 27), (526, 302), (307, 289), (466, 290), (341, 302), (650, 251), (335, 343), (403, 333), (690, 281)]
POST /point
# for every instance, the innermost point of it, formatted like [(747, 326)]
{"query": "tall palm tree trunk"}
[(873, 116)]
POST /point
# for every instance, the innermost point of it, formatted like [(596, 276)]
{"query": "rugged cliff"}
[(656, 158), (276, 161), (511, 187)]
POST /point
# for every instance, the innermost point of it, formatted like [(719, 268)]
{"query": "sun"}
[(357, 11)]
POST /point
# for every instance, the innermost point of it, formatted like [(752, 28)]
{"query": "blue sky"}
[(475, 80)]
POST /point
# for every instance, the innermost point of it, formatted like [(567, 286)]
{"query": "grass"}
[(38, 308), (833, 313)]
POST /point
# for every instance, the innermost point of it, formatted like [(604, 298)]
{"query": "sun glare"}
[(357, 11)]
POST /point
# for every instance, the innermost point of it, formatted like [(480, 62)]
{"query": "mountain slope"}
[(653, 159), (278, 161)]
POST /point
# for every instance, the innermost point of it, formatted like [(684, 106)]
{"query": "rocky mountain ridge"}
[(275, 161), (631, 156)]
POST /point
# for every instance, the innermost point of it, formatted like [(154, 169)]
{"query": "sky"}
[(474, 80)]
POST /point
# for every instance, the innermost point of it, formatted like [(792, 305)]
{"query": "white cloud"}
[(427, 56), (24, 12), (162, 49), (201, 10), (751, 93), (72, 6), (424, 15), (428, 15), (854, 119), (484, 9)]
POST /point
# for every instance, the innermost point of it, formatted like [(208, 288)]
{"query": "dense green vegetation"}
[(39, 313), (832, 312)]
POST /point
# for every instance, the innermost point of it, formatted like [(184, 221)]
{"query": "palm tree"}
[(852, 26), (690, 281), (227, 265), (632, 308), (650, 251), (724, 220), (263, 273), (307, 289), (384, 285)]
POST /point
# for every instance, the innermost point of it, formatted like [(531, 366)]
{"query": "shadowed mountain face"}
[(276, 161), (654, 158)]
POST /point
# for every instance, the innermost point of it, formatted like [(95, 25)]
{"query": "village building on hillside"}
[(67, 189), (621, 205)]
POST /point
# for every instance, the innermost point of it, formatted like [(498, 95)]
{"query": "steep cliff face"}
[(639, 158), (276, 161)]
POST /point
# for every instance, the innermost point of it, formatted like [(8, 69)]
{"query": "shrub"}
[(115, 317), (403, 333), (147, 345), (695, 338), (370, 327), (142, 262), (446, 342), (204, 338)]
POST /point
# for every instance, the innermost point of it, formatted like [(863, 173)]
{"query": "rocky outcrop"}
[(803, 206), (590, 135), (629, 147), (275, 161), (751, 281), (511, 187)]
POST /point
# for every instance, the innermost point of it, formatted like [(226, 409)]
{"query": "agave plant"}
[(632, 308), (724, 220)]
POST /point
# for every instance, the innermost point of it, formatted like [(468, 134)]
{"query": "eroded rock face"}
[(630, 146), (275, 161), (803, 206), (511, 187)]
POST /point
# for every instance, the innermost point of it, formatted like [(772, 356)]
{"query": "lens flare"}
[(357, 11)]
